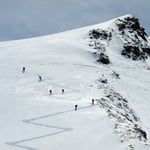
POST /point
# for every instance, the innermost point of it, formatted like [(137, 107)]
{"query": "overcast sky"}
[(30, 18)]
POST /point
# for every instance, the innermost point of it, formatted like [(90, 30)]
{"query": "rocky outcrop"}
[(132, 25), (134, 39), (103, 58), (136, 42), (125, 120), (100, 34)]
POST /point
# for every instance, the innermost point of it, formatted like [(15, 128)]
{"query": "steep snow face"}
[(32, 118)]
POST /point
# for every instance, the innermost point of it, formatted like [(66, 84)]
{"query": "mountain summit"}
[(83, 89), (126, 34)]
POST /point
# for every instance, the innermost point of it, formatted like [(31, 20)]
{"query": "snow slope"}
[(32, 119)]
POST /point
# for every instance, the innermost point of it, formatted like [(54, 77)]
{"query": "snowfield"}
[(32, 119)]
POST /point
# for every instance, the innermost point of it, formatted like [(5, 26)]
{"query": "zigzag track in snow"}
[(32, 122), (19, 143)]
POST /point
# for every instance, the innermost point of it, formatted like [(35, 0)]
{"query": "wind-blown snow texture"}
[(32, 119)]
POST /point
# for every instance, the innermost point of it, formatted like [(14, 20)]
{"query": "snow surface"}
[(30, 118)]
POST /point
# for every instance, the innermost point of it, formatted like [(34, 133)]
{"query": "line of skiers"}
[(39, 77), (50, 91), (76, 106)]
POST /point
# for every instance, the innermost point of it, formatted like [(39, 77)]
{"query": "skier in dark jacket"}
[(63, 91), (23, 69), (50, 92), (76, 106), (40, 78), (92, 101)]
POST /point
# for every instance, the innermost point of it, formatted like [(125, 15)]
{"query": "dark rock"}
[(116, 75), (142, 133), (135, 52), (100, 34), (104, 80), (137, 47), (103, 58), (132, 24)]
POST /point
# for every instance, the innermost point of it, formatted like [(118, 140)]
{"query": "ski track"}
[(89, 66), (32, 120)]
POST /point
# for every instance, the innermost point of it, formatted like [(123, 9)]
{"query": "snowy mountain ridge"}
[(125, 35), (108, 62), (128, 37)]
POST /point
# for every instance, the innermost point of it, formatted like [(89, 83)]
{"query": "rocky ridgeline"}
[(97, 39), (126, 122), (100, 34), (136, 44), (136, 41)]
